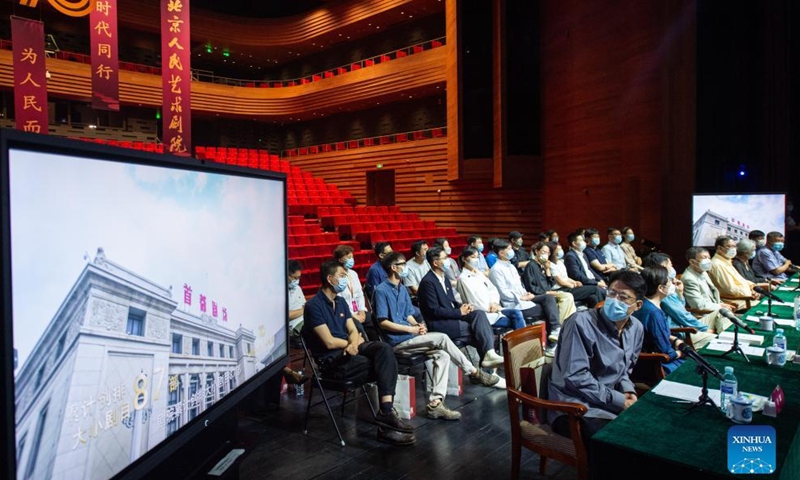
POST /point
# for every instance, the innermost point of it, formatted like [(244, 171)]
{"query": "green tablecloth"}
[(657, 435)]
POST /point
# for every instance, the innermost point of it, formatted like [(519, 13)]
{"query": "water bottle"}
[(797, 313), (300, 389), (779, 340), (728, 389)]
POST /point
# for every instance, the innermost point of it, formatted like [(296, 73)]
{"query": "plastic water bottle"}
[(300, 389), (797, 313), (779, 340), (728, 389)]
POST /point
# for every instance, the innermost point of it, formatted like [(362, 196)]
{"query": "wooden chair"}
[(733, 299), (521, 347), (648, 371)]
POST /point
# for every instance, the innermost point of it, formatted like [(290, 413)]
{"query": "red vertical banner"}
[(105, 58), (176, 76), (30, 75)]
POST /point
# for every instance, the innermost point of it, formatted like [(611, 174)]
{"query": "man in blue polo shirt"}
[(342, 353), (376, 275), (394, 312), (769, 263)]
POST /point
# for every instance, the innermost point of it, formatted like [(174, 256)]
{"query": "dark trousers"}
[(590, 295), (475, 330), (547, 307), (375, 362), (589, 426)]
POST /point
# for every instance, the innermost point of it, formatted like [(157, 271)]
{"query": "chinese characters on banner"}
[(176, 76), (105, 60), (30, 82), (187, 301)]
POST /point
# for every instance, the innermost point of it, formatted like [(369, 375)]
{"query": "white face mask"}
[(543, 258), (705, 264), (473, 262), (671, 289), (730, 253)]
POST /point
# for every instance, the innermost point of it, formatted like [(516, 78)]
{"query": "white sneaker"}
[(491, 359), (553, 337), (501, 383)]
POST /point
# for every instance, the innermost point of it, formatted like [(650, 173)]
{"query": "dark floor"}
[(475, 447)]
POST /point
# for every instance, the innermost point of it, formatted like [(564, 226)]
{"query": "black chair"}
[(343, 387), (408, 363)]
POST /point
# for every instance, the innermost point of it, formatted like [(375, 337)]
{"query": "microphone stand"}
[(735, 347), (769, 306), (704, 398)]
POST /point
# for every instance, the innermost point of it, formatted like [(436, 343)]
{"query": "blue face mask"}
[(339, 287), (446, 264), (615, 310), (560, 254), (752, 255), (672, 273), (480, 248), (618, 239), (510, 254), (294, 284), (630, 237), (777, 246), (403, 273), (349, 263), (595, 241)]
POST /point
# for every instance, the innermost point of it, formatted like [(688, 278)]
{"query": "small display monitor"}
[(736, 215)]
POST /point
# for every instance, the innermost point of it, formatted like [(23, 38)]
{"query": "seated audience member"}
[(354, 293), (376, 275), (297, 300), (537, 279), (613, 251), (657, 337), (769, 263), (476, 242), (417, 266), (342, 353), (459, 321), (632, 260), (700, 293), (543, 237), (759, 237), (505, 277), (590, 295), (597, 349), (745, 253), (476, 289), (725, 277), (451, 270), (577, 263), (521, 257), (491, 257), (394, 311), (597, 259), (552, 236), (674, 305)]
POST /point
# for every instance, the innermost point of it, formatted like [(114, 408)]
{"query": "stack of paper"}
[(723, 346), (743, 338)]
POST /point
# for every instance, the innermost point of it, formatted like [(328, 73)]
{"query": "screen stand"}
[(736, 347), (704, 398)]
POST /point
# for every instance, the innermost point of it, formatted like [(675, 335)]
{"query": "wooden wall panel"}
[(618, 139), (422, 187), (385, 80)]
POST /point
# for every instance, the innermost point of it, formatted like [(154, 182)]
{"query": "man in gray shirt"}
[(596, 351)]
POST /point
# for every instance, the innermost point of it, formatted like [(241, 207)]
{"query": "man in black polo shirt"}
[(342, 353), (521, 257)]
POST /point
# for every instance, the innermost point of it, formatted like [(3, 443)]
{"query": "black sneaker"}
[(393, 437), (392, 421)]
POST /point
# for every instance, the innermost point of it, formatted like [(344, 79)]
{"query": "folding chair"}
[(340, 386)]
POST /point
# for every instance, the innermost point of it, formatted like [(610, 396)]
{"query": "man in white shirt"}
[(417, 267), (505, 277), (476, 289), (612, 250)]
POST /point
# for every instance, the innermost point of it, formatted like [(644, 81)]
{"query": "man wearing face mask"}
[(476, 242), (521, 257), (657, 337), (699, 291), (745, 253), (597, 349), (769, 261), (451, 270), (577, 262), (612, 250), (725, 277), (297, 300), (595, 255), (342, 352)]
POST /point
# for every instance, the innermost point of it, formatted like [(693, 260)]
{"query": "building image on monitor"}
[(119, 369), (712, 225)]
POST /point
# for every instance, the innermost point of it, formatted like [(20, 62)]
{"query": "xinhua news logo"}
[(751, 449)]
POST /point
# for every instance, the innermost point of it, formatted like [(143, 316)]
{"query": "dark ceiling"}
[(261, 8)]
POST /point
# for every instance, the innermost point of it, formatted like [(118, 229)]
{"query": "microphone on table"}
[(736, 320), (767, 294), (690, 352)]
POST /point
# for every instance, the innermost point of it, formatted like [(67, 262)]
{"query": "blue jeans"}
[(512, 318)]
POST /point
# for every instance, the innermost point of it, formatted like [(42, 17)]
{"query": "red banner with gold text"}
[(30, 75), (105, 58), (176, 76)]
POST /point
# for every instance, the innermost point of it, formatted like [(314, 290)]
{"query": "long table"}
[(658, 435)]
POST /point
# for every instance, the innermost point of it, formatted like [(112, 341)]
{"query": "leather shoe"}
[(294, 378), (395, 438), (392, 421)]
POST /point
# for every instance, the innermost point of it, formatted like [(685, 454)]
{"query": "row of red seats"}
[(334, 210), (135, 145), (367, 142)]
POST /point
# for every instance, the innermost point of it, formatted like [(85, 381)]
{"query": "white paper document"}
[(723, 346), (226, 462), (743, 338), (682, 391)]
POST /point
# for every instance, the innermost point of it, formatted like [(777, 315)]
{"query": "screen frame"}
[(150, 460), (731, 194)]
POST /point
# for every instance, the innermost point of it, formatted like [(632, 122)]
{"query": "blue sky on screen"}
[(219, 234), (765, 212)]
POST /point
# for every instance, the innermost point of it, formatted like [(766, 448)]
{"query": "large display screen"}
[(736, 216), (144, 292)]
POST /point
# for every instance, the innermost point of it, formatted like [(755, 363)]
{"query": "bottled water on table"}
[(780, 339), (300, 389), (728, 389)]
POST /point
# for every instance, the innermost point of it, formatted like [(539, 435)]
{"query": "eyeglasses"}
[(619, 296), (399, 264)]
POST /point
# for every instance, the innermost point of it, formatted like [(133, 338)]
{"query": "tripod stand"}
[(735, 347), (704, 398)]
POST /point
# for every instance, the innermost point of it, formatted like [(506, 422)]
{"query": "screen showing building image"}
[(735, 216), (142, 295)]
